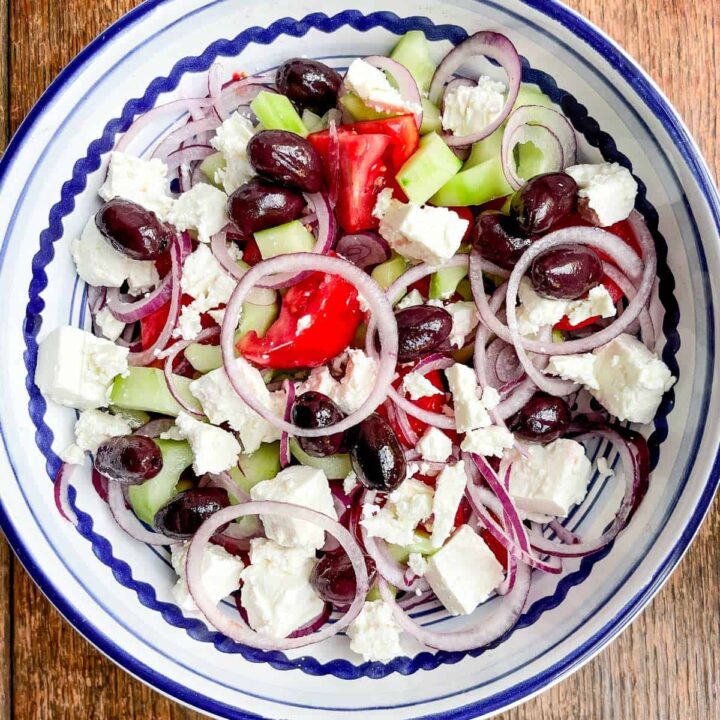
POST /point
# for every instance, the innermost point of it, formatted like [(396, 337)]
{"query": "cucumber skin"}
[(413, 52), (145, 389), (276, 112), (385, 274), (335, 467), (283, 239), (444, 283), (475, 186), (263, 464)]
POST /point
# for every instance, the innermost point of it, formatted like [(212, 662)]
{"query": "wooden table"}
[(666, 665)]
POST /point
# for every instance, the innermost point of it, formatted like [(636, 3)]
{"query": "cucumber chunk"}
[(421, 544), (148, 498), (444, 283), (532, 95), (374, 592), (263, 464), (313, 122), (291, 237), (385, 274), (276, 112), (475, 186), (486, 149), (335, 467), (432, 121), (210, 165), (413, 51), (144, 388), (135, 418), (428, 169), (359, 110)]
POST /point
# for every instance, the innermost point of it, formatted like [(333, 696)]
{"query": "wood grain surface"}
[(665, 666)]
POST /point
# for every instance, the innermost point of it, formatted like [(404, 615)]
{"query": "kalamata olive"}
[(187, 511), (421, 329), (376, 455), (542, 201), (130, 459), (314, 410), (133, 230), (259, 204), (286, 158), (566, 272), (543, 419), (309, 84), (334, 579), (499, 239)]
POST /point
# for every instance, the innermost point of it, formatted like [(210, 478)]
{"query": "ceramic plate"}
[(116, 591)]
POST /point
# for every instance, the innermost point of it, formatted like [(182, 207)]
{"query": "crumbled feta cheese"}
[(470, 411), (231, 140), (221, 404), (374, 634), (299, 485), (73, 455), (434, 445), (417, 563), (470, 109), (449, 490), (604, 470), (623, 376), (220, 575), (598, 303), (372, 86), (550, 479), (276, 590), (215, 450), (465, 318), (490, 397), (109, 325), (407, 506), (493, 440), (412, 299), (77, 369), (350, 483), (100, 264), (418, 386), (94, 427), (173, 433), (426, 233), (203, 208), (536, 311), (610, 190), (141, 181), (383, 203), (464, 572)]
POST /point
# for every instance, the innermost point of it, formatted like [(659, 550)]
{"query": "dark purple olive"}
[(542, 201), (286, 158), (334, 579), (376, 455), (499, 239), (258, 205), (309, 84), (543, 419), (566, 272), (314, 410), (130, 459), (421, 329), (133, 230), (187, 511)]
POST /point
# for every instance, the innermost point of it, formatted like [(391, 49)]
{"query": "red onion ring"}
[(187, 155), (285, 458), (238, 630), (387, 567), (647, 329), (60, 491), (224, 481), (175, 139), (364, 249), (407, 87), (129, 312), (397, 414), (127, 520), (241, 92), (381, 311), (492, 45), (215, 87)]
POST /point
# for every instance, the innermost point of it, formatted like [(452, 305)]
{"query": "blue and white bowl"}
[(116, 591)]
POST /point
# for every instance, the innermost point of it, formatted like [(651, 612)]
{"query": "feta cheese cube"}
[(490, 397), (372, 86), (425, 233), (470, 109), (598, 303), (77, 369), (536, 311), (449, 490), (109, 325), (610, 190), (143, 182), (623, 376), (203, 208), (464, 572), (418, 564), (374, 633), (470, 411), (221, 404), (551, 478), (299, 485), (215, 450), (100, 264), (418, 386), (493, 440), (220, 575), (434, 445), (412, 299), (465, 318), (276, 590), (231, 140), (94, 427)]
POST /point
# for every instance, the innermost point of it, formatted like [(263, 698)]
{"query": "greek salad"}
[(351, 337)]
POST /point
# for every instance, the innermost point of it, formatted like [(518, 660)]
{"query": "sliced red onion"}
[(285, 458), (313, 625), (183, 135), (407, 87), (413, 600), (126, 519), (564, 534), (399, 416), (334, 162), (129, 312), (433, 362), (239, 630), (100, 483), (364, 249), (418, 272), (215, 87), (492, 45), (155, 428), (647, 330), (185, 156), (61, 489), (224, 480), (241, 92)]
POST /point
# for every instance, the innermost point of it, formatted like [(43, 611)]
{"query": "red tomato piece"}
[(403, 132), (151, 325), (331, 305), (465, 213), (251, 252)]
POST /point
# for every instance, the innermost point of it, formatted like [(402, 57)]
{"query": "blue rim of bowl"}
[(659, 106)]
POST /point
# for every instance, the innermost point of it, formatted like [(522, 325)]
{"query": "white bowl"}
[(116, 591)]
